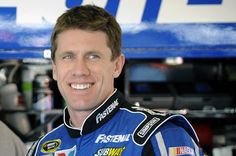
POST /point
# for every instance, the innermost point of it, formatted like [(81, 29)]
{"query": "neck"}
[(78, 118)]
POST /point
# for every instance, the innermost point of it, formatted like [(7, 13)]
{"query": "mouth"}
[(83, 86)]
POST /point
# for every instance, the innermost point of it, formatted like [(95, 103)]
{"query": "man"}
[(10, 143), (98, 121)]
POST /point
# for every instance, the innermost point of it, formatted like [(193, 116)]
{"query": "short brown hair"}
[(89, 17)]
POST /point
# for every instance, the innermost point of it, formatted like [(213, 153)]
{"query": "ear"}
[(54, 71), (119, 63)]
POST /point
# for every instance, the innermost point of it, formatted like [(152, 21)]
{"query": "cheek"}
[(110, 72), (102, 73), (58, 72)]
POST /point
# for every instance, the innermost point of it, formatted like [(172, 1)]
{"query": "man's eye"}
[(93, 56), (67, 57)]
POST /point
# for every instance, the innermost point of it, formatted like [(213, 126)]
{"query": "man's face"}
[(83, 68)]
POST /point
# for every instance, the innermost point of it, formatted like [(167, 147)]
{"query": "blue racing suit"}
[(117, 128)]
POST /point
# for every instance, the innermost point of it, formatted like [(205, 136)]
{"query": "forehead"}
[(71, 35), (82, 39)]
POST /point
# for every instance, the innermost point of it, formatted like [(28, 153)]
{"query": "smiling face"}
[(83, 68)]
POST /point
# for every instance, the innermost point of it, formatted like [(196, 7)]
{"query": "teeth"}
[(80, 86)]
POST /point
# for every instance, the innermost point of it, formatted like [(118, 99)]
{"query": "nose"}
[(80, 68)]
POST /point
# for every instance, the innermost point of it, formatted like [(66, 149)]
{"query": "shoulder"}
[(54, 134), (154, 122), (172, 138), (170, 132), (7, 133), (50, 138), (10, 143)]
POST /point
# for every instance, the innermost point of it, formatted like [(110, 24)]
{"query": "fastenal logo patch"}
[(110, 151), (182, 150), (107, 111), (50, 146), (147, 127), (103, 138)]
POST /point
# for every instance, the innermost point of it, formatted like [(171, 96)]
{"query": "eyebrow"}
[(94, 52), (71, 52), (62, 53)]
